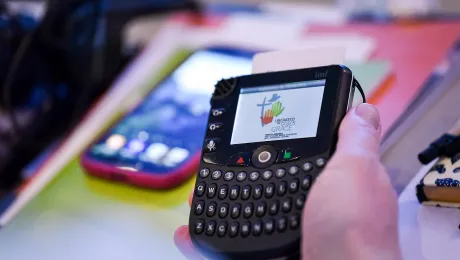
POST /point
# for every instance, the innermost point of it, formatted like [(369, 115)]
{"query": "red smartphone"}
[(158, 144)]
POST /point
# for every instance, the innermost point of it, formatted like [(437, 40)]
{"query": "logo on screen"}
[(270, 109)]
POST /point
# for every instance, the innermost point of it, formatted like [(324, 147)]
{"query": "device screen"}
[(278, 112), (168, 127)]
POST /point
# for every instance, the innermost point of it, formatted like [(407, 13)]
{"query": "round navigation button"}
[(264, 156)]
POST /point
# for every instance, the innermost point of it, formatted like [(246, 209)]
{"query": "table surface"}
[(425, 232), (79, 217)]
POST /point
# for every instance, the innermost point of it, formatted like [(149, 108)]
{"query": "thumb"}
[(359, 132)]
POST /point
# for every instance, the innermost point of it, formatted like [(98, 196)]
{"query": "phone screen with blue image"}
[(167, 128)]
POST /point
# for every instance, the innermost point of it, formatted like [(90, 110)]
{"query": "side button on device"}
[(215, 126), (239, 159), (210, 158), (211, 145), (217, 112)]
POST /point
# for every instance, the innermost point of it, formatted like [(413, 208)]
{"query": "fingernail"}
[(369, 113)]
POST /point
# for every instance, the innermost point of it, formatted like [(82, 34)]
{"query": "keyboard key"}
[(228, 176), (308, 166), (246, 192), (269, 226), (234, 228), (300, 201), (199, 207), (294, 221), (222, 229), (223, 210), (293, 170), (241, 176), (281, 224), (199, 227), (261, 208), (216, 175), (267, 175), (281, 190), (236, 211), (248, 209), (286, 205), (294, 185), (258, 192), (245, 229), (257, 229), (306, 183), (212, 189), (223, 192), (254, 176), (274, 208), (234, 192), (211, 228), (200, 189), (320, 162), (269, 190), (204, 173), (211, 209), (280, 173)]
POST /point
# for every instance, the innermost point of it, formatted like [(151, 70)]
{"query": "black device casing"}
[(337, 98)]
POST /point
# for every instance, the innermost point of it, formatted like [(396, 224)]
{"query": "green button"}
[(287, 155)]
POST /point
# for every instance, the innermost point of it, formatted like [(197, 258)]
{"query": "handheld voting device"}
[(268, 137)]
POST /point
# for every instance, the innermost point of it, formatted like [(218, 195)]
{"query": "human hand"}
[(268, 117), (277, 108), (351, 210)]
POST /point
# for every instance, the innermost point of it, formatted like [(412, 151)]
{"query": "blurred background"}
[(103, 108)]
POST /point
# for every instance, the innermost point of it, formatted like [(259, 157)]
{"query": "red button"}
[(239, 159)]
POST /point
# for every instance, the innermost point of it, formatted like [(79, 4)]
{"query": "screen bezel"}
[(119, 163), (338, 82)]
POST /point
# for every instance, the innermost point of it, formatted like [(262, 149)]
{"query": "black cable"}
[(360, 89)]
